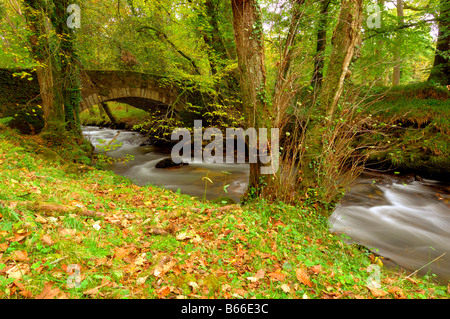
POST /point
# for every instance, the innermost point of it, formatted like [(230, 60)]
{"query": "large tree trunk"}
[(319, 165), (41, 51), (70, 72), (397, 57), (346, 37), (441, 67), (248, 31)]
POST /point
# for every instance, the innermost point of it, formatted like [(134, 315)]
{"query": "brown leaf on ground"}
[(303, 277), (277, 275), (4, 246), (26, 293), (19, 255), (46, 239), (19, 237), (397, 292), (95, 291), (67, 232), (241, 292), (259, 275), (377, 292), (40, 219), (22, 290), (162, 292), (316, 269), (51, 293), (158, 231), (120, 253)]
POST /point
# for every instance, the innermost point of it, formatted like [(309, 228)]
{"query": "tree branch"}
[(159, 33)]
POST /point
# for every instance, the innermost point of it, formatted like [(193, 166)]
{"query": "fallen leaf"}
[(26, 293), (51, 293), (303, 277), (377, 292), (241, 292), (193, 284), (94, 291), (397, 292), (158, 231), (4, 246), (183, 235), (277, 276), (47, 239), (316, 269), (40, 219), (19, 255), (120, 253), (286, 288), (67, 232), (162, 292), (259, 275), (141, 280), (226, 287), (20, 236), (279, 223)]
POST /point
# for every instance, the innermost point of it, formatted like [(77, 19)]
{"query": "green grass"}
[(416, 122), (124, 114), (203, 250)]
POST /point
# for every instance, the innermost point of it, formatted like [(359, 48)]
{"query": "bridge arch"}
[(145, 99)]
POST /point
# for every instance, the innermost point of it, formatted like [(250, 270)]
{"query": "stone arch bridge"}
[(143, 91)]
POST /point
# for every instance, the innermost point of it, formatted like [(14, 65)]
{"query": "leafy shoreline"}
[(147, 242)]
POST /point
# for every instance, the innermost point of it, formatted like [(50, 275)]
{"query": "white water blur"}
[(189, 179), (404, 222)]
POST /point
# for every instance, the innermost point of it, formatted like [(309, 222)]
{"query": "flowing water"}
[(405, 220)]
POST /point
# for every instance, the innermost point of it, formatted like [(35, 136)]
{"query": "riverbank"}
[(60, 219), (414, 120)]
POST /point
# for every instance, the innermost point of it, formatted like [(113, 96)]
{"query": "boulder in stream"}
[(168, 163)]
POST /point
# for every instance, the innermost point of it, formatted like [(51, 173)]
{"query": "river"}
[(406, 220)]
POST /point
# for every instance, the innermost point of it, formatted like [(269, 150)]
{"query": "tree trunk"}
[(321, 131), (108, 112), (397, 57), (346, 37), (70, 73), (216, 51), (40, 49), (248, 32), (317, 77), (283, 93), (440, 72)]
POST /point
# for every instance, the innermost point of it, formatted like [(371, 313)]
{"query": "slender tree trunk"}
[(317, 77), (216, 51), (108, 112), (282, 94), (397, 57), (441, 67), (248, 32)]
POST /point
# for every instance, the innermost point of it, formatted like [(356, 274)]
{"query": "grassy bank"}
[(146, 242), (415, 120), (126, 115)]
